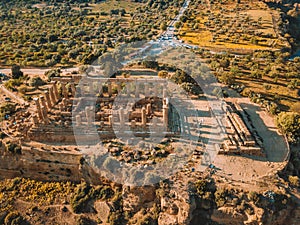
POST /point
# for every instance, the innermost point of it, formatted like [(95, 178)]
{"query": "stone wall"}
[(41, 165)]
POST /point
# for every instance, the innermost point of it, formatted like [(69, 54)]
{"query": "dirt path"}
[(38, 71)]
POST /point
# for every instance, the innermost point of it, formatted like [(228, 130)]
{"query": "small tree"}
[(36, 82), (178, 25), (7, 109), (163, 74), (294, 180), (52, 73), (289, 124), (16, 72), (163, 26), (227, 78)]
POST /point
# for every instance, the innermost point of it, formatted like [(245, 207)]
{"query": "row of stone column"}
[(137, 90), (89, 112), (47, 101)]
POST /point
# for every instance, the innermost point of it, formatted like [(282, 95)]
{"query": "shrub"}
[(289, 124), (227, 78), (14, 148), (81, 198), (220, 197), (16, 72), (13, 83), (84, 193), (52, 73), (115, 218), (294, 180), (202, 187), (253, 196), (163, 74), (36, 82), (14, 218)]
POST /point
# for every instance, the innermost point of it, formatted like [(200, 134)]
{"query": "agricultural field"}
[(264, 76), (242, 27)]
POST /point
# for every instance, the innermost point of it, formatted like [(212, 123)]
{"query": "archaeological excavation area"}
[(139, 121)]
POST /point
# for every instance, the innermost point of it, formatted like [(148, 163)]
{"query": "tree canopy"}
[(289, 124)]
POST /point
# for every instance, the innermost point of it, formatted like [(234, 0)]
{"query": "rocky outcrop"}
[(177, 207), (135, 198), (103, 210)]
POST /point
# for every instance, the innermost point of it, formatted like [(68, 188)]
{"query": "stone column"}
[(109, 88), (35, 120), (64, 104), (165, 115), (156, 89), (78, 120), (92, 114), (61, 106), (55, 92), (42, 99), (52, 96), (148, 109), (121, 117), (100, 90), (101, 124), (49, 103), (133, 123), (128, 89), (38, 107), (88, 115), (110, 120), (144, 119), (45, 115), (150, 89), (73, 89), (64, 90), (146, 89)]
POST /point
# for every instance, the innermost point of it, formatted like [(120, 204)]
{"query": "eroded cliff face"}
[(175, 203), (42, 164)]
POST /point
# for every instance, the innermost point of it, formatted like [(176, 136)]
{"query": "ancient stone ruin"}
[(241, 135), (61, 106)]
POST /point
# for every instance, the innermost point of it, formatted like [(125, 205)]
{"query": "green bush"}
[(85, 193), (81, 198), (253, 196), (14, 148), (220, 197), (202, 187), (289, 124)]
